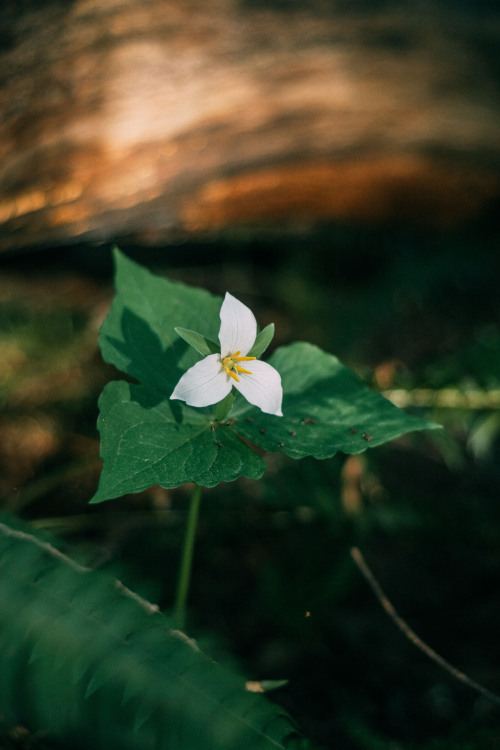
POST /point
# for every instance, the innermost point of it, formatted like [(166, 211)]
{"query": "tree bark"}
[(170, 118)]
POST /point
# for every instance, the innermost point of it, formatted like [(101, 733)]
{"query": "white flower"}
[(211, 379)]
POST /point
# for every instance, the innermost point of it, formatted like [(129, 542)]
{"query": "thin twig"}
[(412, 636)]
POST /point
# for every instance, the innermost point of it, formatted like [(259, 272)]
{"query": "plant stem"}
[(187, 558)]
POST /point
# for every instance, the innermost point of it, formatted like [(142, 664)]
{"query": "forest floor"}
[(275, 588)]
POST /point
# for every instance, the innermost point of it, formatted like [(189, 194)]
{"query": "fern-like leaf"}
[(93, 665)]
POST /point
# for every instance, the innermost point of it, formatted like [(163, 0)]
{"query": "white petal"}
[(238, 327), (262, 388), (203, 384)]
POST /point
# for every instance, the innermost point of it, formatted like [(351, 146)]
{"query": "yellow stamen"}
[(230, 364)]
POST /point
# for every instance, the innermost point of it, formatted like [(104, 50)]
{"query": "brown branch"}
[(412, 636)]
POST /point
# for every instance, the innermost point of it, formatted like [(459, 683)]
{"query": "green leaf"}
[(138, 336), (262, 341), (78, 668), (147, 442), (99, 678), (197, 341), (144, 712), (148, 439), (326, 408), (176, 697)]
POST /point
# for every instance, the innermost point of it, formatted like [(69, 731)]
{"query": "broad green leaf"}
[(262, 341), (326, 409), (147, 439), (197, 341), (145, 442), (138, 336)]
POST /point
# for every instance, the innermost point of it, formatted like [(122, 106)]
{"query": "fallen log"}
[(171, 118)]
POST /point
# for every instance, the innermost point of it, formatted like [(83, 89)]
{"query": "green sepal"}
[(262, 341), (223, 408), (197, 341)]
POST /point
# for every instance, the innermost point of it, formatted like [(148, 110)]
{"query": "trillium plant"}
[(205, 408)]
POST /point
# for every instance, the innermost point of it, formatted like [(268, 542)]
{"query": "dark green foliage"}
[(148, 439), (93, 665)]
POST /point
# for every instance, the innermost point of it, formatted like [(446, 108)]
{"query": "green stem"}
[(187, 558)]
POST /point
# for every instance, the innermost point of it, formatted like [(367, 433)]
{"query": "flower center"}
[(232, 367)]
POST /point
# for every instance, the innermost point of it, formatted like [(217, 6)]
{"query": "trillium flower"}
[(211, 379)]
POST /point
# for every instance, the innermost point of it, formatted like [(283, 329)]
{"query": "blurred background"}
[(336, 166)]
